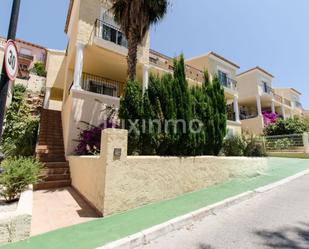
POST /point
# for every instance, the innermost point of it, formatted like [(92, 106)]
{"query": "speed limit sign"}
[(11, 59)]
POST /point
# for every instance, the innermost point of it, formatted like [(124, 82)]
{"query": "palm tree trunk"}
[(132, 55)]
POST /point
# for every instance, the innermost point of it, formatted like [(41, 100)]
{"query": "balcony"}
[(287, 102), (278, 98), (298, 105), (100, 85), (167, 64)]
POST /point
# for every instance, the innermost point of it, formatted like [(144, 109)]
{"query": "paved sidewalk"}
[(99, 232), (58, 208)]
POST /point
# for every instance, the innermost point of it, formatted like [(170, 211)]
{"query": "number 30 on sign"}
[(11, 59)]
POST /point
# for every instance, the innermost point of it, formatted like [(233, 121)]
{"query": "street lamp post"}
[(4, 82)]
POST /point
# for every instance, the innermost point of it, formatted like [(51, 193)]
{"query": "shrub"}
[(282, 144), (39, 69), (255, 148), (286, 127), (89, 141), (234, 146), (20, 133), (131, 110), (270, 118), (18, 174)]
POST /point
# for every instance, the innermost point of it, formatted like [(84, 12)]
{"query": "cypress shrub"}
[(130, 112), (167, 101)]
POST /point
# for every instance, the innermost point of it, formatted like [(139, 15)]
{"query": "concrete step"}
[(55, 165), (54, 177), (52, 184), (55, 171)]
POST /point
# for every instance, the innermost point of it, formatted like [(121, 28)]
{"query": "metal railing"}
[(166, 63), (244, 116), (100, 85), (109, 32), (287, 143)]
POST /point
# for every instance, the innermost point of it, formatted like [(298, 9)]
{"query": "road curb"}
[(187, 220)]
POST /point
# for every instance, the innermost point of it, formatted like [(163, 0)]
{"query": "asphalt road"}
[(275, 219)]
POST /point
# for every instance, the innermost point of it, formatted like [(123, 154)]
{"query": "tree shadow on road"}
[(287, 237), (203, 246)]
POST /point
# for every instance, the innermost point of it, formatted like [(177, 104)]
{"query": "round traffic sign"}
[(11, 59)]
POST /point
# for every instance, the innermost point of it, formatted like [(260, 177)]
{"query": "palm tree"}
[(135, 18)]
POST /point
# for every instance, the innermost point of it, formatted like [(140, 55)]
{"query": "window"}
[(113, 35), (266, 88), (223, 78)]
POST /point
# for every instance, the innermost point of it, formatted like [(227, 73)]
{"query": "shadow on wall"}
[(287, 237)]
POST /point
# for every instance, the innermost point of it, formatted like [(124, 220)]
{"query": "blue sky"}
[(270, 33)]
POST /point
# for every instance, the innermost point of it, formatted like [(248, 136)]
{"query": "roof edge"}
[(256, 68), (67, 22)]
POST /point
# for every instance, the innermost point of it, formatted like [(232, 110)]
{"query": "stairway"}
[(50, 151)]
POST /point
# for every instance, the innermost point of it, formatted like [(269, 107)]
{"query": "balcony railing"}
[(287, 102), (166, 63), (228, 83), (100, 85), (278, 98), (111, 33)]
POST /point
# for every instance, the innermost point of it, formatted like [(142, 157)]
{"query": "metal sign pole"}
[(4, 81)]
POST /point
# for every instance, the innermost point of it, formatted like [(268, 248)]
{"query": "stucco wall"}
[(16, 225), (247, 85), (88, 178), (131, 182), (83, 106), (55, 67), (34, 83), (253, 125), (233, 128)]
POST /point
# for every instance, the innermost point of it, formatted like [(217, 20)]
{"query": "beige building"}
[(225, 70), (92, 72), (256, 95)]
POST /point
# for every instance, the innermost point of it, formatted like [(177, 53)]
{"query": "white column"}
[(46, 98), (79, 59), (145, 77), (273, 109), (236, 108), (283, 111), (259, 105), (306, 142)]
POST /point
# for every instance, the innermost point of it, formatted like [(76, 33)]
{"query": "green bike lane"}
[(99, 232)]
